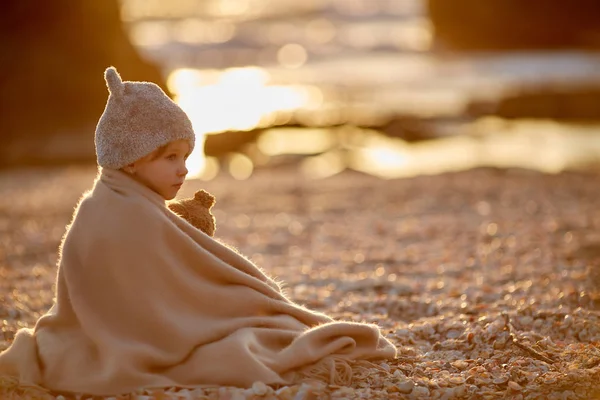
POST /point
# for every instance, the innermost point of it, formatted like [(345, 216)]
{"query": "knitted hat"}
[(138, 118)]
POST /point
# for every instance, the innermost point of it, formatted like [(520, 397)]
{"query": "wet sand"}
[(488, 280)]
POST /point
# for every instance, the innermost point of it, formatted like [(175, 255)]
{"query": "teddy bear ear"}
[(205, 198), (177, 208)]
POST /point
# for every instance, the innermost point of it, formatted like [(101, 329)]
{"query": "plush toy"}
[(196, 211)]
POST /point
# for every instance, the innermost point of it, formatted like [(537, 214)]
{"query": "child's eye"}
[(171, 157)]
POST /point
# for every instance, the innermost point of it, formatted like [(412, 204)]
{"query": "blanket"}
[(145, 300)]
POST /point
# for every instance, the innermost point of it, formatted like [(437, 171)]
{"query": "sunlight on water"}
[(292, 55), (232, 99), (540, 145), (354, 62), (235, 99), (279, 141), (240, 166), (323, 165)]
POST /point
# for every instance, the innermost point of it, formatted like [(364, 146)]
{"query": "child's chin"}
[(169, 195)]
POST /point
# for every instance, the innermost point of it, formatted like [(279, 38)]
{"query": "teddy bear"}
[(196, 211)]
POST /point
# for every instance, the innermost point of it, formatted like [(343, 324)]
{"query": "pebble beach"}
[(487, 280)]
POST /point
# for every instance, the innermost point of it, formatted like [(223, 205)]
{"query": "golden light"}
[(240, 166), (320, 30), (221, 32), (230, 8), (211, 169), (193, 30), (281, 32), (232, 99), (292, 55), (186, 79), (132, 10), (278, 141), (416, 35), (315, 97), (360, 36), (189, 30), (323, 165), (196, 162), (150, 34), (378, 161)]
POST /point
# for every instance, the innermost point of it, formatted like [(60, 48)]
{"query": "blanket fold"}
[(144, 299)]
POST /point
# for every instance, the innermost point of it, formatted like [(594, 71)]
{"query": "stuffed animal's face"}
[(197, 211)]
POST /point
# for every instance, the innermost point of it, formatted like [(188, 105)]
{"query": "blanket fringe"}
[(12, 389), (336, 370)]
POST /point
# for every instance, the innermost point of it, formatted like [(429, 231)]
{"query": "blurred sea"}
[(336, 65)]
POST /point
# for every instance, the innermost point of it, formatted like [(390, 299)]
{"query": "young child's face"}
[(165, 171)]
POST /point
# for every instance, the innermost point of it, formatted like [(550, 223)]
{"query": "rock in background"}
[(52, 57), (556, 102), (515, 24)]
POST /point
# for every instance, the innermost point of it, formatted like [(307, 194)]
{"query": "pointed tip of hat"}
[(113, 81)]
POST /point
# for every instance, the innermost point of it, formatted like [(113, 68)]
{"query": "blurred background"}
[(391, 88)]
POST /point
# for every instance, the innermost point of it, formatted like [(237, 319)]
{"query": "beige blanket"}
[(144, 299)]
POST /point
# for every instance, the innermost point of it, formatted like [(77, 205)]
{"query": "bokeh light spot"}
[(292, 55)]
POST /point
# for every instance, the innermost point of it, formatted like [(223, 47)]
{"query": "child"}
[(145, 300), (145, 134)]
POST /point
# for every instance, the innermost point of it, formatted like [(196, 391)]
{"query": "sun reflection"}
[(323, 165), (230, 7), (192, 30), (417, 35), (233, 100), (382, 161), (292, 55), (278, 141), (320, 30), (239, 99), (150, 34), (210, 171), (240, 166), (132, 10)]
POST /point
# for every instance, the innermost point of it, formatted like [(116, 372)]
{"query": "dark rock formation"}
[(52, 57), (548, 102), (227, 142), (515, 24)]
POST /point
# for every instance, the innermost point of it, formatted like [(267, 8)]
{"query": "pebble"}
[(405, 387), (420, 392), (259, 388), (237, 396), (515, 386), (460, 364), (461, 316)]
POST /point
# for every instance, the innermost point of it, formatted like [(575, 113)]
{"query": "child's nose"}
[(183, 170)]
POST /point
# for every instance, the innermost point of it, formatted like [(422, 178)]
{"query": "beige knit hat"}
[(138, 118)]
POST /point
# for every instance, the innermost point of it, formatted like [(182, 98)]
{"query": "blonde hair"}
[(155, 154)]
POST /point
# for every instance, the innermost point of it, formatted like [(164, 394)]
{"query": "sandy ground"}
[(488, 281)]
